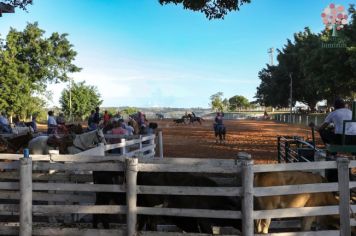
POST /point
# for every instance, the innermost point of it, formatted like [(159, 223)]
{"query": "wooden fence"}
[(28, 187)]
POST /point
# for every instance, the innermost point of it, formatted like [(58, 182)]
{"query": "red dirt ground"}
[(258, 138)]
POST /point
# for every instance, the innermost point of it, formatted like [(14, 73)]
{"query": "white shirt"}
[(3, 120), (337, 117), (51, 121)]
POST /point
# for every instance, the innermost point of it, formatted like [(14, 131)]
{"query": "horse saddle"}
[(60, 142)]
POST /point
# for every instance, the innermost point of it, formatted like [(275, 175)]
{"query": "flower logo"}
[(334, 17)]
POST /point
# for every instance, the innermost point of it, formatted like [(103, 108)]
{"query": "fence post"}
[(53, 219), (131, 195), (315, 120), (160, 143), (307, 120), (344, 192), (123, 149), (247, 193), (26, 194), (279, 149), (300, 119)]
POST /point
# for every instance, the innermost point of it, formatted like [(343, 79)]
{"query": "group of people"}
[(135, 124), (5, 126)]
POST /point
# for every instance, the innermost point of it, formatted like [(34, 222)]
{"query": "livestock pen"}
[(36, 188)]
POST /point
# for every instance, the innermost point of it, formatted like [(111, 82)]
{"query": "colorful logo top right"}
[(334, 18)]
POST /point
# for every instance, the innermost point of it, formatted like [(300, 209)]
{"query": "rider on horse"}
[(219, 127)]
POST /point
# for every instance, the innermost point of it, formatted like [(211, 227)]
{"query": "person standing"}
[(106, 117), (51, 123)]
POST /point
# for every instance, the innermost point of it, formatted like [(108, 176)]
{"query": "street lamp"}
[(70, 99), (290, 97)]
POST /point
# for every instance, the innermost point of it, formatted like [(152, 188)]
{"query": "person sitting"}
[(97, 117), (337, 117), (91, 124), (51, 123), (61, 119), (4, 123), (130, 130), (118, 117), (218, 120), (33, 123)]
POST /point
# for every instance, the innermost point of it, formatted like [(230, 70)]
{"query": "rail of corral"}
[(317, 119), (38, 201)]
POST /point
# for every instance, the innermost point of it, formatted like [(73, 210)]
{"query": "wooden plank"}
[(79, 187), (14, 165), (305, 166), (46, 197), (344, 192), (86, 159), (67, 187), (296, 212), (63, 177), (79, 209), (13, 157), (78, 166), (77, 231), (195, 168), (295, 189), (186, 190), (155, 233), (223, 214), (306, 233)]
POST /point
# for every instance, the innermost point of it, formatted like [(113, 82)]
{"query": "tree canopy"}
[(213, 9), (84, 98), (238, 101), (28, 62), (317, 72)]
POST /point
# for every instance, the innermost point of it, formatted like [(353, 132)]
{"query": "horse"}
[(19, 130), (195, 119), (14, 144), (220, 131), (72, 144)]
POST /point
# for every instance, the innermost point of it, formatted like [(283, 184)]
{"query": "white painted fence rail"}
[(65, 165)]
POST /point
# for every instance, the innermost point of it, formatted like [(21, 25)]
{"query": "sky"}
[(139, 53)]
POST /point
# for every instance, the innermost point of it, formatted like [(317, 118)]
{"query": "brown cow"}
[(295, 200)]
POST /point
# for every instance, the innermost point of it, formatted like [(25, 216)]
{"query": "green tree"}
[(129, 110), (238, 101), (22, 4), (84, 98), (28, 61), (217, 101), (213, 9)]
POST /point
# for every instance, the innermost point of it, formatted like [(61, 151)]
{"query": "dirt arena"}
[(259, 138)]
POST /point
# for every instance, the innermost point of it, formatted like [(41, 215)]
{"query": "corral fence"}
[(296, 149), (42, 186), (317, 119)]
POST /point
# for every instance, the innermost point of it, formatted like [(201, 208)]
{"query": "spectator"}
[(106, 117), (337, 118), (61, 119), (4, 123), (91, 124), (118, 117), (51, 123), (132, 122), (97, 117), (33, 123)]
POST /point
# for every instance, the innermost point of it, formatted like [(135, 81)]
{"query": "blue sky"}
[(139, 53)]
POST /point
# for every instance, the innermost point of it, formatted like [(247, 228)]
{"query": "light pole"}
[(70, 99), (290, 97)]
